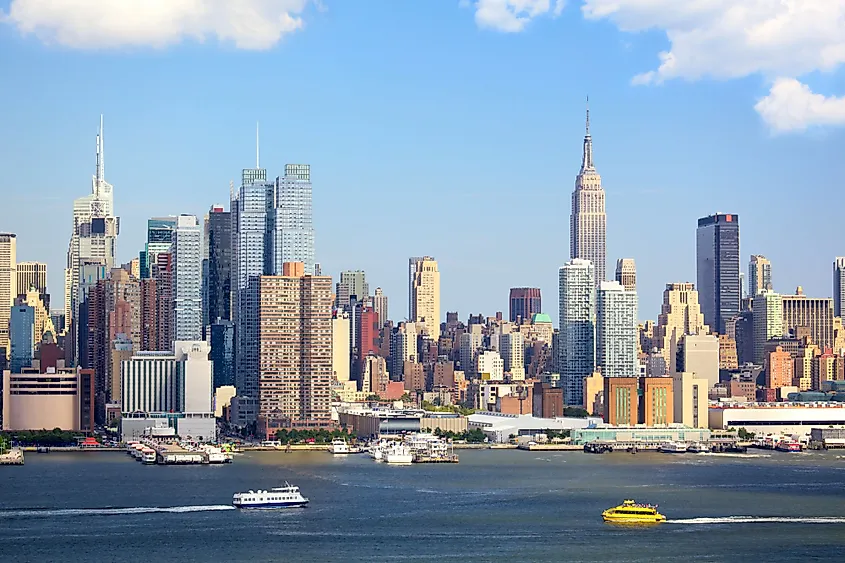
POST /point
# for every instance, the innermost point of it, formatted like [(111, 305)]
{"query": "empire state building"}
[(588, 222)]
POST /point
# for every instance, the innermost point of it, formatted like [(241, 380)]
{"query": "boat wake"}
[(761, 520), (36, 513)]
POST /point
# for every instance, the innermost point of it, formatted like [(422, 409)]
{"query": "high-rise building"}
[(617, 337), (354, 282), (512, 347), (162, 273), (295, 340), (491, 366), (33, 274), (779, 367), (93, 240), (271, 225), (187, 279), (717, 269), (767, 321), (340, 346), (525, 302), (159, 239), (219, 265), (223, 352), (680, 314), (424, 294), (22, 335), (626, 273), (380, 306), (759, 274), (690, 400), (43, 322), (588, 221), (699, 354), (375, 376), (813, 313), (290, 220), (8, 287), (838, 285), (577, 350)]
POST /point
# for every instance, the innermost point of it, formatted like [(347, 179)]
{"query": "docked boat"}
[(788, 446), (698, 448), (148, 456), (279, 497), (339, 446), (398, 454), (673, 448), (629, 512)]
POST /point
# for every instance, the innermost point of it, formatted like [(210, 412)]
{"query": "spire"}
[(100, 150), (587, 161), (257, 153)]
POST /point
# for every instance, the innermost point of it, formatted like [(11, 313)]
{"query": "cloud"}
[(792, 106), (94, 24), (512, 16), (781, 40)]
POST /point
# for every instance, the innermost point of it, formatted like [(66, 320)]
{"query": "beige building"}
[(43, 322), (32, 274), (679, 315), (802, 374), (593, 392), (424, 294), (374, 376), (816, 314), (295, 351), (8, 285), (767, 321), (727, 352), (690, 400), (626, 273), (698, 354), (223, 396), (341, 334), (759, 274), (35, 401)]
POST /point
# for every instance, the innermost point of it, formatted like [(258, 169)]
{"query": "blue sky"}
[(446, 128)]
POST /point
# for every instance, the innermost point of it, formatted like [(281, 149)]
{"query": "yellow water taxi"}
[(629, 512)]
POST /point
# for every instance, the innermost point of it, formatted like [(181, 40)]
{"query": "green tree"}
[(575, 412)]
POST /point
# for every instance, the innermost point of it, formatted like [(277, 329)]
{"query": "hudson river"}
[(494, 506)]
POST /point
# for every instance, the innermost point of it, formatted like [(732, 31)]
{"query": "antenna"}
[(588, 116), (257, 152)]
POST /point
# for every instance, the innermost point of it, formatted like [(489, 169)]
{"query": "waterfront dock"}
[(551, 447), (12, 457)]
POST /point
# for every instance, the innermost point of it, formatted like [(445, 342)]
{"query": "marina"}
[(12, 457), (414, 448)]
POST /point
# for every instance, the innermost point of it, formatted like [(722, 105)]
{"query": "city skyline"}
[(196, 152)]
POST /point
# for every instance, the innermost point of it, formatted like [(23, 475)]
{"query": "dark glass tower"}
[(219, 265), (718, 269)]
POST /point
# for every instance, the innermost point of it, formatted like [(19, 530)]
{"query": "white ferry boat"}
[(339, 446), (148, 456), (673, 448), (398, 454), (279, 497), (216, 455)]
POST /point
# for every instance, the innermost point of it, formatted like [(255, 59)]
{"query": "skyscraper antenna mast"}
[(257, 153)]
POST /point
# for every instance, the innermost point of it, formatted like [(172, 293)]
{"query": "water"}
[(493, 506)]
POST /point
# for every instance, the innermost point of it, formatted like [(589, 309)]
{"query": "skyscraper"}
[(352, 282), (159, 239), (295, 336), (588, 222), (22, 332), (8, 287), (290, 220), (524, 302), (424, 293), (187, 279), (680, 314), (626, 273), (219, 265), (717, 269), (617, 338), (272, 225), (380, 306), (838, 285), (767, 321), (93, 239), (577, 350), (33, 274), (759, 274)]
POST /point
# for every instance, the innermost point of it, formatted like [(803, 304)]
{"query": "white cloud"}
[(778, 39), (792, 106), (512, 15), (92, 24)]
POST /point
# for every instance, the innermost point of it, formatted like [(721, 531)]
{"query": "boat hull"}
[(271, 506), (637, 520)]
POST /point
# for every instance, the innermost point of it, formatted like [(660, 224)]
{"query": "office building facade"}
[(524, 303), (424, 294), (187, 279), (718, 269)]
